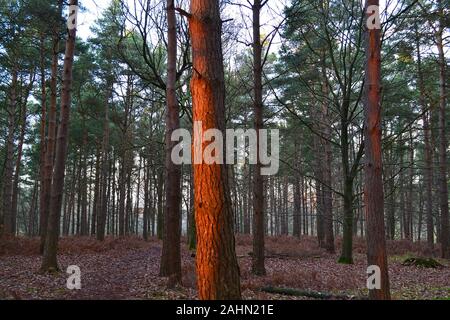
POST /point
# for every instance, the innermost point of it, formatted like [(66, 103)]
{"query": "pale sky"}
[(93, 9)]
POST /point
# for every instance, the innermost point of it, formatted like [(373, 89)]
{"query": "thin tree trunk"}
[(147, 173), (443, 188), (84, 227), (43, 124), (258, 182), (428, 170), (171, 253), (373, 167), (102, 201), (409, 195), (32, 216), (9, 161), (326, 164), (15, 191), (51, 137), (49, 261)]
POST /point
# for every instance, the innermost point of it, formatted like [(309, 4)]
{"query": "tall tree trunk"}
[(258, 182), (147, 209), (428, 170), (159, 205), (171, 255), (15, 191), (390, 210), (32, 216), (326, 164), (97, 196), (102, 200), (9, 161), (443, 188), (51, 137), (347, 241), (296, 230), (43, 126), (84, 227), (409, 195), (373, 167), (318, 174), (217, 268), (49, 261), (122, 194)]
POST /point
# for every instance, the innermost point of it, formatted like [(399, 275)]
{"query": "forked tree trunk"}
[(217, 268), (373, 182), (171, 255), (49, 261)]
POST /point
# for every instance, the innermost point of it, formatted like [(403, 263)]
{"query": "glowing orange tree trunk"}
[(373, 184), (217, 267)]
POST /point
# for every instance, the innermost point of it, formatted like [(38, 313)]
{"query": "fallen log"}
[(309, 293)]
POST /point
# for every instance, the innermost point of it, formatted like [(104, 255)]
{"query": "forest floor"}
[(128, 269)]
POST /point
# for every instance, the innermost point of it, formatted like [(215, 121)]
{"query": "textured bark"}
[(258, 182), (129, 198), (347, 241), (32, 221), (318, 174), (83, 187), (217, 268), (390, 210), (49, 261), (102, 200), (296, 230), (50, 140), (15, 190), (43, 125), (121, 199), (327, 195), (428, 170), (96, 206), (171, 255), (373, 179), (9, 161), (192, 231), (443, 188), (409, 193), (147, 204), (159, 205)]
